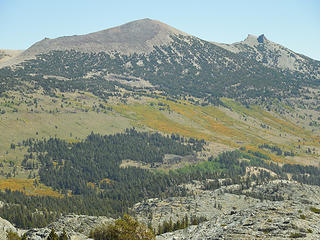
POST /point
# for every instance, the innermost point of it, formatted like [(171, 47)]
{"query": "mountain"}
[(152, 54), (142, 36), (149, 58), (134, 37)]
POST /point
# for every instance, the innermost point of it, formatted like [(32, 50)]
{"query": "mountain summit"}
[(134, 37)]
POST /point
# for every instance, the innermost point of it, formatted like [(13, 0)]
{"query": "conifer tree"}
[(63, 235), (53, 235)]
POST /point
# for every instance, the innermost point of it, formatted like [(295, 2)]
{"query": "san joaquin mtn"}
[(141, 36), (174, 62), (134, 37)]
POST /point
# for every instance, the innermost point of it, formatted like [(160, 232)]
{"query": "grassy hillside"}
[(28, 186), (72, 116), (190, 87)]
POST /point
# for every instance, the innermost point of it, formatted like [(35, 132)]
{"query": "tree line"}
[(69, 167)]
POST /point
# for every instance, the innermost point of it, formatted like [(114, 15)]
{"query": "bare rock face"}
[(5, 227), (263, 221)]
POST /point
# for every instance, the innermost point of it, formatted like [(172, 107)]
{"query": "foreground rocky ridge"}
[(231, 212), (243, 217)]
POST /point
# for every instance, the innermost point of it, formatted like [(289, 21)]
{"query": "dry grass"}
[(237, 127), (233, 127), (27, 186)]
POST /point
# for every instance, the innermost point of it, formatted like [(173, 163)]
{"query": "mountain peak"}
[(146, 25), (253, 40), (138, 36), (262, 38)]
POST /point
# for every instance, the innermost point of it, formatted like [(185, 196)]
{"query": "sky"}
[(292, 23)]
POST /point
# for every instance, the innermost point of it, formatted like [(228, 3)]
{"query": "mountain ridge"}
[(142, 36), (148, 53)]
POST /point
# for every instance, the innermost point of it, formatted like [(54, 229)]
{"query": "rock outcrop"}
[(76, 226), (5, 227), (232, 213)]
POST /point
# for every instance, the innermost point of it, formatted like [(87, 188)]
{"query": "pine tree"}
[(186, 221), (63, 235), (53, 235)]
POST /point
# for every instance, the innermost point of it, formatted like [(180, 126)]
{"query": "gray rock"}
[(79, 223), (77, 227), (241, 216), (5, 227)]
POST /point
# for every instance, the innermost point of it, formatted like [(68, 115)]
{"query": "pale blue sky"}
[(292, 23)]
